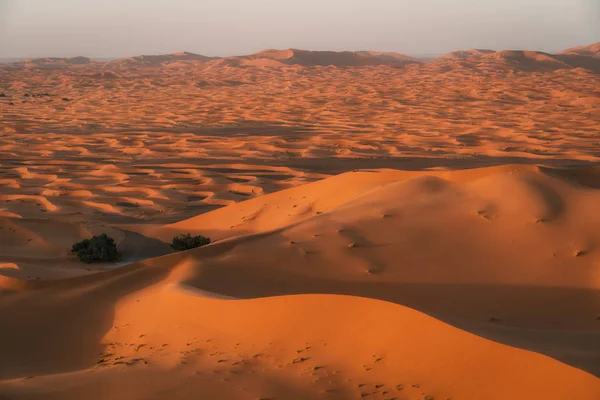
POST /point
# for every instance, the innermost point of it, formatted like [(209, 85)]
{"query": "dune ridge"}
[(591, 50), (219, 361), (362, 234)]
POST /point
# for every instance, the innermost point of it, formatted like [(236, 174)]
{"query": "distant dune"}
[(586, 57), (464, 54), (538, 61), (157, 60), (592, 50), (49, 63), (333, 58), (527, 60)]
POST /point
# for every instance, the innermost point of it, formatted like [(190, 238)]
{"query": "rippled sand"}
[(399, 230)]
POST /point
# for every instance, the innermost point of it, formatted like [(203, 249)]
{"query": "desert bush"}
[(187, 241), (97, 249)]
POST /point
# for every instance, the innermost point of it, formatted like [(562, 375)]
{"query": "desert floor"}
[(424, 231)]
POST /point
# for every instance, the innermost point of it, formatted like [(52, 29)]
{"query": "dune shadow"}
[(587, 177), (339, 165), (500, 313), (59, 326), (136, 247), (550, 197)]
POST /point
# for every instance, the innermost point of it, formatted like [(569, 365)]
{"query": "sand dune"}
[(162, 59), (288, 347), (333, 58), (525, 61), (538, 61), (592, 50), (577, 57), (49, 63), (360, 213), (464, 54), (382, 228), (450, 243), (392, 57), (438, 242)]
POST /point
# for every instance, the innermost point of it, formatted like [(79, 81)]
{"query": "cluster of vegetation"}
[(187, 241), (104, 249), (97, 249)]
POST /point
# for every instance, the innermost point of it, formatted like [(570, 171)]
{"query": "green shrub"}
[(187, 241), (97, 249)]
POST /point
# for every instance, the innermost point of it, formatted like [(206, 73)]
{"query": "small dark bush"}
[(97, 249), (187, 241)]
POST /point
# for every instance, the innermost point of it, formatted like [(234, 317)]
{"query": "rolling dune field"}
[(383, 227)]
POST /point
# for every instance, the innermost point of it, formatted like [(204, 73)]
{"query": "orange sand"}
[(461, 262)]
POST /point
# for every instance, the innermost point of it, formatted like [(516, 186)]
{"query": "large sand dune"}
[(382, 228), (521, 269)]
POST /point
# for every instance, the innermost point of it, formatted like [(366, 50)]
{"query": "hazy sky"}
[(118, 28)]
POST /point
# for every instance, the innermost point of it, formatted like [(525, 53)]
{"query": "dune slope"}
[(165, 339), (506, 252)]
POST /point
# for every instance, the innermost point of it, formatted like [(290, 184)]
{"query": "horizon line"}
[(414, 55)]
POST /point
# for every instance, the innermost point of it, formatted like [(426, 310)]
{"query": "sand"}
[(383, 227)]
